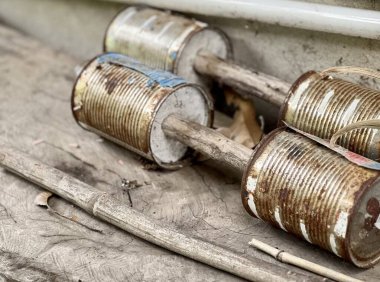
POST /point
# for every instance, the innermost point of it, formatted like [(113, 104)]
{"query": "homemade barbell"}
[(188, 48), (289, 180), (316, 103)]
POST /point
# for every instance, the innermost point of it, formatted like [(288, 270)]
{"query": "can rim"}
[(73, 90), (292, 89)]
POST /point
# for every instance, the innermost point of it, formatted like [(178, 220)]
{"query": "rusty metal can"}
[(321, 105), (126, 102), (162, 40), (308, 190)]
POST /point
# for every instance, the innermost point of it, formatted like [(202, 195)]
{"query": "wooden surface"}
[(108, 208), (35, 89)]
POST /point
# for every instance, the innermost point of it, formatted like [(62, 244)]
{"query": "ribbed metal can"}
[(321, 105), (162, 40), (126, 102), (308, 190)]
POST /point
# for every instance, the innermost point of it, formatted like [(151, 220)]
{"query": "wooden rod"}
[(207, 141), (247, 82), (302, 263), (109, 209)]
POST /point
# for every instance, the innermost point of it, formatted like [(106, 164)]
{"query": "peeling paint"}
[(304, 231), (278, 218), (340, 228), (294, 101), (325, 102), (333, 244), (350, 111), (252, 205), (163, 78), (251, 184)]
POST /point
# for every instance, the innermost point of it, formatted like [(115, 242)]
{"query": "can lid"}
[(205, 38), (363, 233), (189, 102)]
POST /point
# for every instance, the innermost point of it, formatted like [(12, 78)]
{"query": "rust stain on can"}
[(124, 101), (305, 189), (162, 40), (321, 105)]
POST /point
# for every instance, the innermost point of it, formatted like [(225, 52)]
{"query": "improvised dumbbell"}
[(316, 103), (188, 48), (289, 181)]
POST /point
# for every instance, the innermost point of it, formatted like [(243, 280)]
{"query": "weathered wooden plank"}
[(35, 87)]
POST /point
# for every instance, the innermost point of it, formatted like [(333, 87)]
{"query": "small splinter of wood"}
[(42, 199), (285, 257)]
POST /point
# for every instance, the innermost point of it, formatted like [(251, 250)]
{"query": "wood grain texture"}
[(248, 83), (202, 201)]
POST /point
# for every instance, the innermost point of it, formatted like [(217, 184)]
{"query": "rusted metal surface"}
[(162, 40), (308, 190), (321, 105), (126, 102)]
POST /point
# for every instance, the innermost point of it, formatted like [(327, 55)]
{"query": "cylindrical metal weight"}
[(308, 190), (165, 41), (126, 102), (320, 105)]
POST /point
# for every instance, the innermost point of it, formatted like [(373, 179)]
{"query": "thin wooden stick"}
[(247, 82), (208, 141), (302, 263), (109, 209)]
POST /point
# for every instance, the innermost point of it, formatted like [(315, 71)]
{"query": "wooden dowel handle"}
[(208, 141), (247, 82), (109, 209)]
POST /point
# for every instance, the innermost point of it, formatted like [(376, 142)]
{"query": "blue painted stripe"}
[(163, 78)]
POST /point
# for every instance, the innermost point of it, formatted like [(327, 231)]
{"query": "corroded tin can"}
[(162, 40), (320, 105), (126, 102), (308, 190)]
